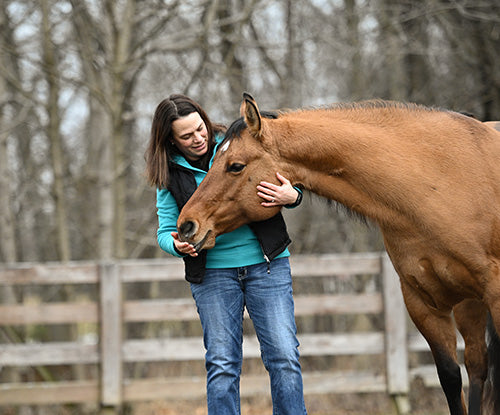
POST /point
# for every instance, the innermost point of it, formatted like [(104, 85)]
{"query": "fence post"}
[(111, 337), (396, 348)]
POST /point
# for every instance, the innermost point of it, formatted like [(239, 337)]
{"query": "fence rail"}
[(111, 351)]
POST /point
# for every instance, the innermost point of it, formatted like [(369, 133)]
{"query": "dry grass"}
[(424, 401)]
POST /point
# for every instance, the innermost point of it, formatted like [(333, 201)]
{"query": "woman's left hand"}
[(277, 195)]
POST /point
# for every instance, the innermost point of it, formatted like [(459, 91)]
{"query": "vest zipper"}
[(268, 264)]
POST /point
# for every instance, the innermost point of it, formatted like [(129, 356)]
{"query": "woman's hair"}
[(161, 147)]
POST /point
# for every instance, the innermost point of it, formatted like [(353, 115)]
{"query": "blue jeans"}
[(220, 300)]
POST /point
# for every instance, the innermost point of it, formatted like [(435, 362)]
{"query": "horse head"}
[(227, 197)]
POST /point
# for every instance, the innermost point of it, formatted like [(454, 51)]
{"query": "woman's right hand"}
[(183, 247)]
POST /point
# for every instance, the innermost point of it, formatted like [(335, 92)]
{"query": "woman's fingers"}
[(282, 179), (183, 247), (277, 195)]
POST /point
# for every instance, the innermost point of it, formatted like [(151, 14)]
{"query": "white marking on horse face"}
[(225, 146)]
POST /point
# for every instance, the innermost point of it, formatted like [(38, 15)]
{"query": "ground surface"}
[(424, 401)]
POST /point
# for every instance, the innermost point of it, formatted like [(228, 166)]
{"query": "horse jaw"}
[(201, 230)]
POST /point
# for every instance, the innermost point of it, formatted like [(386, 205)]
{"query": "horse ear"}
[(250, 112), (246, 97)]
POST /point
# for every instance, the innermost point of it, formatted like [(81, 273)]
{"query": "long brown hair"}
[(161, 148)]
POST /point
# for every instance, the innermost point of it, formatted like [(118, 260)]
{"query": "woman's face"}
[(191, 136)]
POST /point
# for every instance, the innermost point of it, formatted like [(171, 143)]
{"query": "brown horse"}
[(429, 178)]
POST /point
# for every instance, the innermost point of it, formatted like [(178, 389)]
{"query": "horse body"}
[(430, 179), (400, 167)]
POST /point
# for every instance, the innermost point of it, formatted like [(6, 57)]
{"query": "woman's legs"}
[(220, 303), (270, 304)]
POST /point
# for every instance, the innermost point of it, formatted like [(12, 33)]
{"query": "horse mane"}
[(362, 105), (239, 125), (379, 103)]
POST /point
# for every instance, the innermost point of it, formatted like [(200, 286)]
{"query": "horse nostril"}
[(187, 228)]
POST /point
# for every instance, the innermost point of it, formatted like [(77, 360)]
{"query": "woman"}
[(248, 267)]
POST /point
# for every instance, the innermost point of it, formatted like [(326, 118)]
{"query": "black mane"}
[(239, 125)]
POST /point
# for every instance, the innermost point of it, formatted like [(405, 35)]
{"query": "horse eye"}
[(235, 167)]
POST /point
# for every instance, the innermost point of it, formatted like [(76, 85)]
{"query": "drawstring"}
[(268, 264)]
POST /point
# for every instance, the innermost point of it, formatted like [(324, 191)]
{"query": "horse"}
[(429, 178)]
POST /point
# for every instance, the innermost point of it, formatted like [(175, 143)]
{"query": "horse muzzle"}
[(189, 232)]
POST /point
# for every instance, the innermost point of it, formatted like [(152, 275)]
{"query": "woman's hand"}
[(277, 195), (183, 247)]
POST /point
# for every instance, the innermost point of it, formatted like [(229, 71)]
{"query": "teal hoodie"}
[(238, 248)]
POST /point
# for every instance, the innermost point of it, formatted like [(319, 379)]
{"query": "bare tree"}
[(73, 165), (230, 42), (393, 50), (18, 124), (114, 48), (51, 73), (470, 30), (7, 235), (356, 80)]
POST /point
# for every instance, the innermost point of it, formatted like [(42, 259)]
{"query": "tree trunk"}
[(486, 44), (292, 81), (23, 221), (54, 136), (121, 55), (355, 77), (233, 65), (416, 59), (390, 32), (7, 235)]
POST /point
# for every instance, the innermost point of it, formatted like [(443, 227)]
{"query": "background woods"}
[(79, 81)]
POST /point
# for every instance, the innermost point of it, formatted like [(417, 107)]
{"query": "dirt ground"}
[(423, 401)]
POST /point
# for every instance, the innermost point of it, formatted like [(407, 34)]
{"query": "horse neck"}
[(335, 158), (319, 144)]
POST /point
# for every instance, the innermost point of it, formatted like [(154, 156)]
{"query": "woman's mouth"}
[(199, 147)]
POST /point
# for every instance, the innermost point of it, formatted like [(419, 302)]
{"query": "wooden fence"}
[(110, 350)]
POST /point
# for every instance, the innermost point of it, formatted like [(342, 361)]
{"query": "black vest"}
[(271, 233)]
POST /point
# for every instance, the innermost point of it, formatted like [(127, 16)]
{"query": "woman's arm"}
[(167, 221), (168, 238)]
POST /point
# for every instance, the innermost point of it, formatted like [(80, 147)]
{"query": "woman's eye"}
[(235, 167)]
